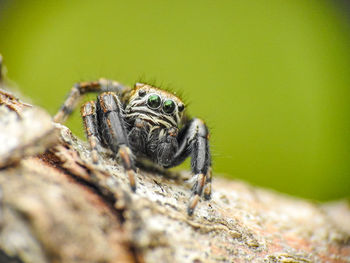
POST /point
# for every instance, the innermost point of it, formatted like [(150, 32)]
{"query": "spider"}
[(145, 122)]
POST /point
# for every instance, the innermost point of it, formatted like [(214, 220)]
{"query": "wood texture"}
[(57, 206)]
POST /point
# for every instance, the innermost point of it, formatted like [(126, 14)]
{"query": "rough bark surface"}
[(57, 206)]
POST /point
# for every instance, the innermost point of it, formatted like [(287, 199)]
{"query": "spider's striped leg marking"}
[(196, 193), (207, 185), (88, 112), (128, 163), (81, 88), (114, 132), (200, 161), (194, 141)]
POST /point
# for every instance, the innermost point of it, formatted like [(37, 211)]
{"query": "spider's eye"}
[(181, 107), (142, 92), (168, 106), (154, 101)]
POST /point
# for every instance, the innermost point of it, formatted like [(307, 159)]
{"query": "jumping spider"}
[(143, 122)]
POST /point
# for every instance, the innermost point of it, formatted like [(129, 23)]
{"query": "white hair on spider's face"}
[(155, 106)]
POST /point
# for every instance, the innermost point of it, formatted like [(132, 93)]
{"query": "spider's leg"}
[(81, 88), (194, 141), (88, 112), (114, 133), (207, 185)]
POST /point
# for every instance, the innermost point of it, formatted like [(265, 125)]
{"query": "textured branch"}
[(57, 206)]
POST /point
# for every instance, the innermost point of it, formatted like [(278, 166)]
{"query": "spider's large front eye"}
[(154, 101), (168, 106)]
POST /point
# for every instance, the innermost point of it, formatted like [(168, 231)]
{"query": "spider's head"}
[(155, 105)]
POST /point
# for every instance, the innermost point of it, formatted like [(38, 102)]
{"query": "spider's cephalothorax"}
[(143, 122)]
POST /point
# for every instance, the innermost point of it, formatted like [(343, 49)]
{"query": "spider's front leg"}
[(113, 131), (194, 141), (102, 120), (105, 126)]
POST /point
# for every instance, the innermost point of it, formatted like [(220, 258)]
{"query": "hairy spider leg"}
[(81, 88), (194, 141), (207, 185), (88, 113), (110, 120), (113, 131)]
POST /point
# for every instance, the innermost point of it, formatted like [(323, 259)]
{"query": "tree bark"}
[(57, 206)]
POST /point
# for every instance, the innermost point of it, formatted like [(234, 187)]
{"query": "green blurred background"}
[(271, 78)]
